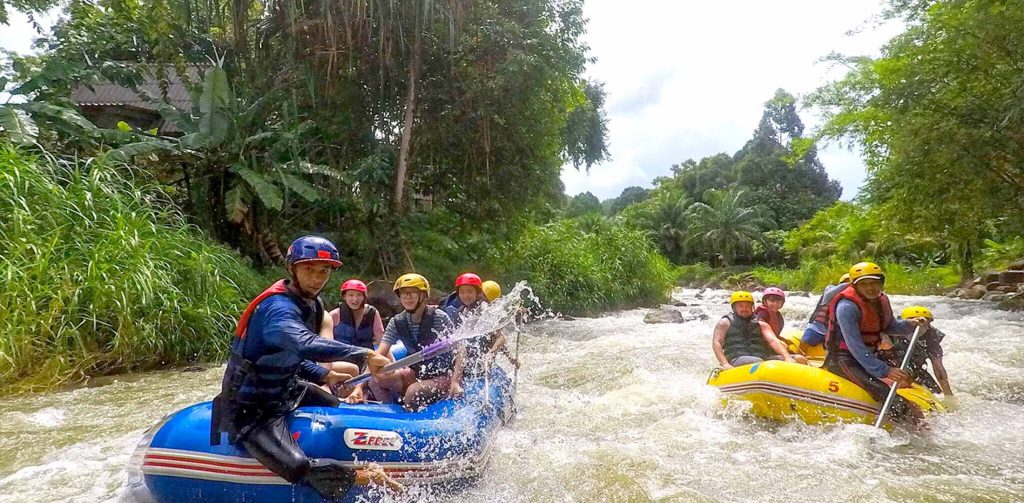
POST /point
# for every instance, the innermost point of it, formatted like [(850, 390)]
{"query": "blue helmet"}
[(313, 249)]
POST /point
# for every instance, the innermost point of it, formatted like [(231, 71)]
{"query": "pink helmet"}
[(773, 290), (353, 284)]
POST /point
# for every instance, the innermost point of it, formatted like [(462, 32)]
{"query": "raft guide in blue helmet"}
[(313, 249)]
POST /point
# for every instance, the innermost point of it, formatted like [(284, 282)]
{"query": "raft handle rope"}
[(895, 385)]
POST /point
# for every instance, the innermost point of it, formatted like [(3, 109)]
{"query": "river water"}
[(612, 409)]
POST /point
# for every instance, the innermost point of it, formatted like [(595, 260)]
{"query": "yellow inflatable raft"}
[(783, 391), (815, 354)]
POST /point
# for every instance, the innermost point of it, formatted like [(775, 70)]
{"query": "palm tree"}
[(726, 226), (672, 225)]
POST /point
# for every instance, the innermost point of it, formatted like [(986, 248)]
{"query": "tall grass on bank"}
[(813, 275), (583, 271), (100, 274)]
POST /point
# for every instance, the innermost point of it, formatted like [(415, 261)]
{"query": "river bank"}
[(995, 286)]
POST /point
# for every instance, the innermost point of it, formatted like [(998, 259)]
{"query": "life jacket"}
[(875, 317), (744, 338), (820, 313), (345, 329), (265, 386), (455, 311), (773, 318), (476, 347), (451, 300), (277, 288), (426, 335)]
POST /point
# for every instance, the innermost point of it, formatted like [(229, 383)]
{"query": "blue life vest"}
[(260, 381), (346, 331), (476, 347), (451, 300)]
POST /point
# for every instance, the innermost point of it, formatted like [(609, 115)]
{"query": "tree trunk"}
[(967, 262), (410, 111)]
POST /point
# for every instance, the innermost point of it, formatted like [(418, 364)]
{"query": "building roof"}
[(146, 97)]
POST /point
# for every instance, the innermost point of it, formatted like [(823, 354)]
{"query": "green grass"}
[(99, 273), (577, 271), (813, 275)]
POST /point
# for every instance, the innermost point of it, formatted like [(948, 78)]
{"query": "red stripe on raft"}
[(188, 462), (189, 459), (265, 473)]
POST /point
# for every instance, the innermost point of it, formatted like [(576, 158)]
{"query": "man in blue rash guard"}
[(272, 371), (858, 316)]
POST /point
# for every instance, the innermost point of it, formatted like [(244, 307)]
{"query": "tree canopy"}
[(940, 108)]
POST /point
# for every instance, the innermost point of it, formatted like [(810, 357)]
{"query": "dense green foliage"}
[(98, 274), (343, 118), (585, 266), (940, 118)]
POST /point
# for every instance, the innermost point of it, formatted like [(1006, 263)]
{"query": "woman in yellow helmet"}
[(740, 339), (419, 326)]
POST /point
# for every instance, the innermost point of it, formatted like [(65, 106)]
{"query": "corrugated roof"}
[(147, 95)]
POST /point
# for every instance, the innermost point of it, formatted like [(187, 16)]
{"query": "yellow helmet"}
[(492, 290), (845, 278), (740, 296), (866, 270), (916, 312), (412, 280)]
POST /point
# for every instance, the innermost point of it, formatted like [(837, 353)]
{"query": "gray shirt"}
[(442, 325)]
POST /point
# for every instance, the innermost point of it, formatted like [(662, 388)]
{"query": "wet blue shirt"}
[(280, 342)]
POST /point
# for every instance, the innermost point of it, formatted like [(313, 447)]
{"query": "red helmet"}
[(353, 284), (469, 279)]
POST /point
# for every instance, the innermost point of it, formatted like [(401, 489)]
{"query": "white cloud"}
[(689, 79)]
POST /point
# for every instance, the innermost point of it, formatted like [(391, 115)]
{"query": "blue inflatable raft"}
[(446, 444)]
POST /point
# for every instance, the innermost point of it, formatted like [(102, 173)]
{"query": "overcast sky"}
[(688, 79)]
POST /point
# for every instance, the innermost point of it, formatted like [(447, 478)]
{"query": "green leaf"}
[(312, 169), (236, 202), (195, 141), (268, 193), (215, 118), (134, 149), (259, 138), (3, 80), (20, 128), (63, 114), (301, 187), (123, 126), (182, 120)]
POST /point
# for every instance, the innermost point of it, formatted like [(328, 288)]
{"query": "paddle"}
[(895, 385), (435, 349)]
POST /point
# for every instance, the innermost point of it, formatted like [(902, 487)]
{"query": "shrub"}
[(608, 266), (814, 275), (101, 274)]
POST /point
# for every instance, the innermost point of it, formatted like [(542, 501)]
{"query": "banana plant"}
[(21, 115), (253, 154)]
